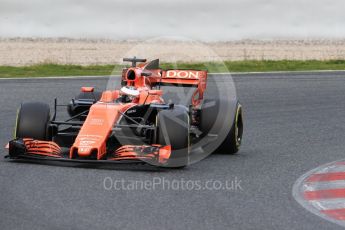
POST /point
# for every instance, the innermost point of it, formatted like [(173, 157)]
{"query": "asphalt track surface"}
[(293, 123)]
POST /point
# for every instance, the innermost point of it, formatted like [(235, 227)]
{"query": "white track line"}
[(53, 77)]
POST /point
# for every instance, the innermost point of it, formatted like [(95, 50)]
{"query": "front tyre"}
[(173, 129), (32, 121)]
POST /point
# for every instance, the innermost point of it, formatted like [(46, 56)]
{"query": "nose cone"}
[(95, 131)]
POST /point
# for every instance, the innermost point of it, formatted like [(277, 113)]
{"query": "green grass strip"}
[(47, 70)]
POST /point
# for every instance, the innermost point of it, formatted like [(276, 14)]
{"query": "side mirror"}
[(146, 74)]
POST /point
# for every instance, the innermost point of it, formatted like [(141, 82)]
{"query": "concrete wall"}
[(201, 20)]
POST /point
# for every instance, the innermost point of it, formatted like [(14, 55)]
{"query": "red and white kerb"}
[(322, 191)]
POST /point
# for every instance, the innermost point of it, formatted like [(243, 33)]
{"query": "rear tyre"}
[(173, 129), (233, 139), (32, 121), (225, 119)]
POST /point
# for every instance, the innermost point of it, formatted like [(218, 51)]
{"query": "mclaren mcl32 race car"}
[(132, 123)]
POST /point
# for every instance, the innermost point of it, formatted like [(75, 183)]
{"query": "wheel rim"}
[(238, 126), (16, 125)]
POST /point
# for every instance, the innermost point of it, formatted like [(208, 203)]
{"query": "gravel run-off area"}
[(29, 51)]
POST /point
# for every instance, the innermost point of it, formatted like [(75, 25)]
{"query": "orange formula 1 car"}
[(130, 124)]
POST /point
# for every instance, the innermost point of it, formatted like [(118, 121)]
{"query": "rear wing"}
[(197, 78), (183, 77), (140, 77)]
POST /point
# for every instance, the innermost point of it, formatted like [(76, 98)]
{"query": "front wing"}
[(28, 148)]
